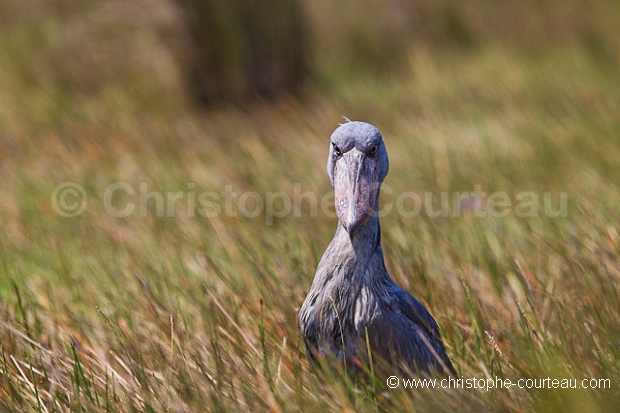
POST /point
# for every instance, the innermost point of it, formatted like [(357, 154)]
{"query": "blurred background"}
[(218, 52), (197, 95)]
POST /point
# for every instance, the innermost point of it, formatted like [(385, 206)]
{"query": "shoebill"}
[(354, 312)]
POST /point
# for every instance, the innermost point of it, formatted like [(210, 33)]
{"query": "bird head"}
[(357, 165)]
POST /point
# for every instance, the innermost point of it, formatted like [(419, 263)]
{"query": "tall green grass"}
[(191, 313)]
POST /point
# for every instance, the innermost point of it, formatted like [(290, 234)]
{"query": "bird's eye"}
[(373, 150), (337, 150)]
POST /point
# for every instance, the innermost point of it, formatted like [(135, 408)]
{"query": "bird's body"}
[(354, 308)]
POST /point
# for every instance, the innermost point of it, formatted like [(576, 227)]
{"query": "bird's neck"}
[(352, 263), (362, 252), (364, 243)]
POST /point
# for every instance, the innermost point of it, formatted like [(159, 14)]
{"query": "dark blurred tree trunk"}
[(245, 48)]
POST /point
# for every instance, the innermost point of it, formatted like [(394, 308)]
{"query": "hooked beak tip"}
[(350, 228)]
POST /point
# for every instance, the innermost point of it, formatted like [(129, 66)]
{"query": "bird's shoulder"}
[(414, 310)]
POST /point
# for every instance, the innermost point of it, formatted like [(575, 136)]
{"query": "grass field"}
[(161, 308)]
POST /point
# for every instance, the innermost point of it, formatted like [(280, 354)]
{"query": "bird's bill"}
[(356, 188)]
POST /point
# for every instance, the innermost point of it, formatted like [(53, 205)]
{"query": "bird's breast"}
[(365, 308)]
